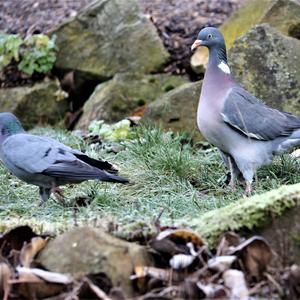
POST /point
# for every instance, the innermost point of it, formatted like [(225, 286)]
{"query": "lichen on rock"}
[(118, 98), (267, 64), (246, 214), (109, 37), (280, 14), (176, 110), (44, 102)]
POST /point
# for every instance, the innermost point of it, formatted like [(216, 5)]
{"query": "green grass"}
[(164, 171)]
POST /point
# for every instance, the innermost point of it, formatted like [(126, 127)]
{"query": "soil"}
[(177, 22)]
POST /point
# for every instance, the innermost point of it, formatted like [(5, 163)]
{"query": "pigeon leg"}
[(235, 173), (44, 195), (58, 192), (248, 189), (232, 175)]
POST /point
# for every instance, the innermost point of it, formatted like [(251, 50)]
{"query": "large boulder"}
[(118, 98), (107, 37), (267, 64), (44, 102), (90, 251), (281, 14), (176, 110)]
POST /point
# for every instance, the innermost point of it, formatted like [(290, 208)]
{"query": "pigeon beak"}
[(196, 44)]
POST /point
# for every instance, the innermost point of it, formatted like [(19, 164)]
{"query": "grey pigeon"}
[(45, 162), (247, 132)]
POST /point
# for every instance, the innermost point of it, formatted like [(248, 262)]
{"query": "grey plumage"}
[(45, 162), (247, 132)]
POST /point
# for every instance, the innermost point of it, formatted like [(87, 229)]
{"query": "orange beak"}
[(196, 44)]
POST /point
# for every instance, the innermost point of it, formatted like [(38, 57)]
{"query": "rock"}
[(275, 215), (44, 102), (87, 250), (267, 64), (281, 14), (176, 110), (118, 98), (109, 37)]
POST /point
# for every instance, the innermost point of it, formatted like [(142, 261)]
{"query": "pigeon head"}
[(209, 37), (9, 124)]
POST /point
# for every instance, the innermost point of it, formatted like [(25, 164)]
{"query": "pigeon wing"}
[(36, 154), (251, 117)]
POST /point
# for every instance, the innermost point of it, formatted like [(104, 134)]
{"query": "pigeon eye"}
[(209, 36)]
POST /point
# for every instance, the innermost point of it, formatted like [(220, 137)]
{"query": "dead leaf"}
[(213, 291), (30, 250), (5, 274), (227, 241), (165, 246), (255, 254), (221, 263), (181, 261), (15, 238), (96, 290), (158, 273), (235, 281), (46, 275), (184, 234)]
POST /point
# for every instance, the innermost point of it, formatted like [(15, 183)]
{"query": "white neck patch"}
[(224, 67)]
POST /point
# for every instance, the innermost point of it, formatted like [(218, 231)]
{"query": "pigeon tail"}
[(112, 178)]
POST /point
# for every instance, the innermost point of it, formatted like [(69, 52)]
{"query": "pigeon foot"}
[(58, 192), (248, 189)]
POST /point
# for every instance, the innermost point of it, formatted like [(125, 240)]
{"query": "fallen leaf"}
[(158, 273), (96, 290), (45, 275), (181, 261), (255, 254), (213, 291), (15, 238), (185, 234), (5, 274), (30, 250), (221, 263), (227, 242), (235, 281)]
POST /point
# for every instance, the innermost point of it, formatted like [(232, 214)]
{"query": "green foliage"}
[(9, 48), (35, 53), (114, 132)]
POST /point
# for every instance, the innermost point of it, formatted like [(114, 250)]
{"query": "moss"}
[(119, 97), (249, 213)]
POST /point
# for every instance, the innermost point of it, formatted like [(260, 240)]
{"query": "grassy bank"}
[(165, 170)]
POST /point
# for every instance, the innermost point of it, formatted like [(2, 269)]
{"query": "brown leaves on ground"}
[(184, 269)]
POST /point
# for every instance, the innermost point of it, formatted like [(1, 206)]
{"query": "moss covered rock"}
[(267, 64), (281, 14), (107, 37), (118, 98), (43, 102), (274, 214), (90, 251), (176, 110)]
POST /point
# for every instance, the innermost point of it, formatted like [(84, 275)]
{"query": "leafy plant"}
[(9, 48), (38, 54), (115, 132), (35, 53)]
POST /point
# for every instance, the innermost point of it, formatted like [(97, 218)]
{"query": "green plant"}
[(114, 132), (9, 48), (35, 53), (38, 54)]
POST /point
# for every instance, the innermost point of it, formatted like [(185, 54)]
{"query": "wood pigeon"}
[(45, 162), (247, 132)]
